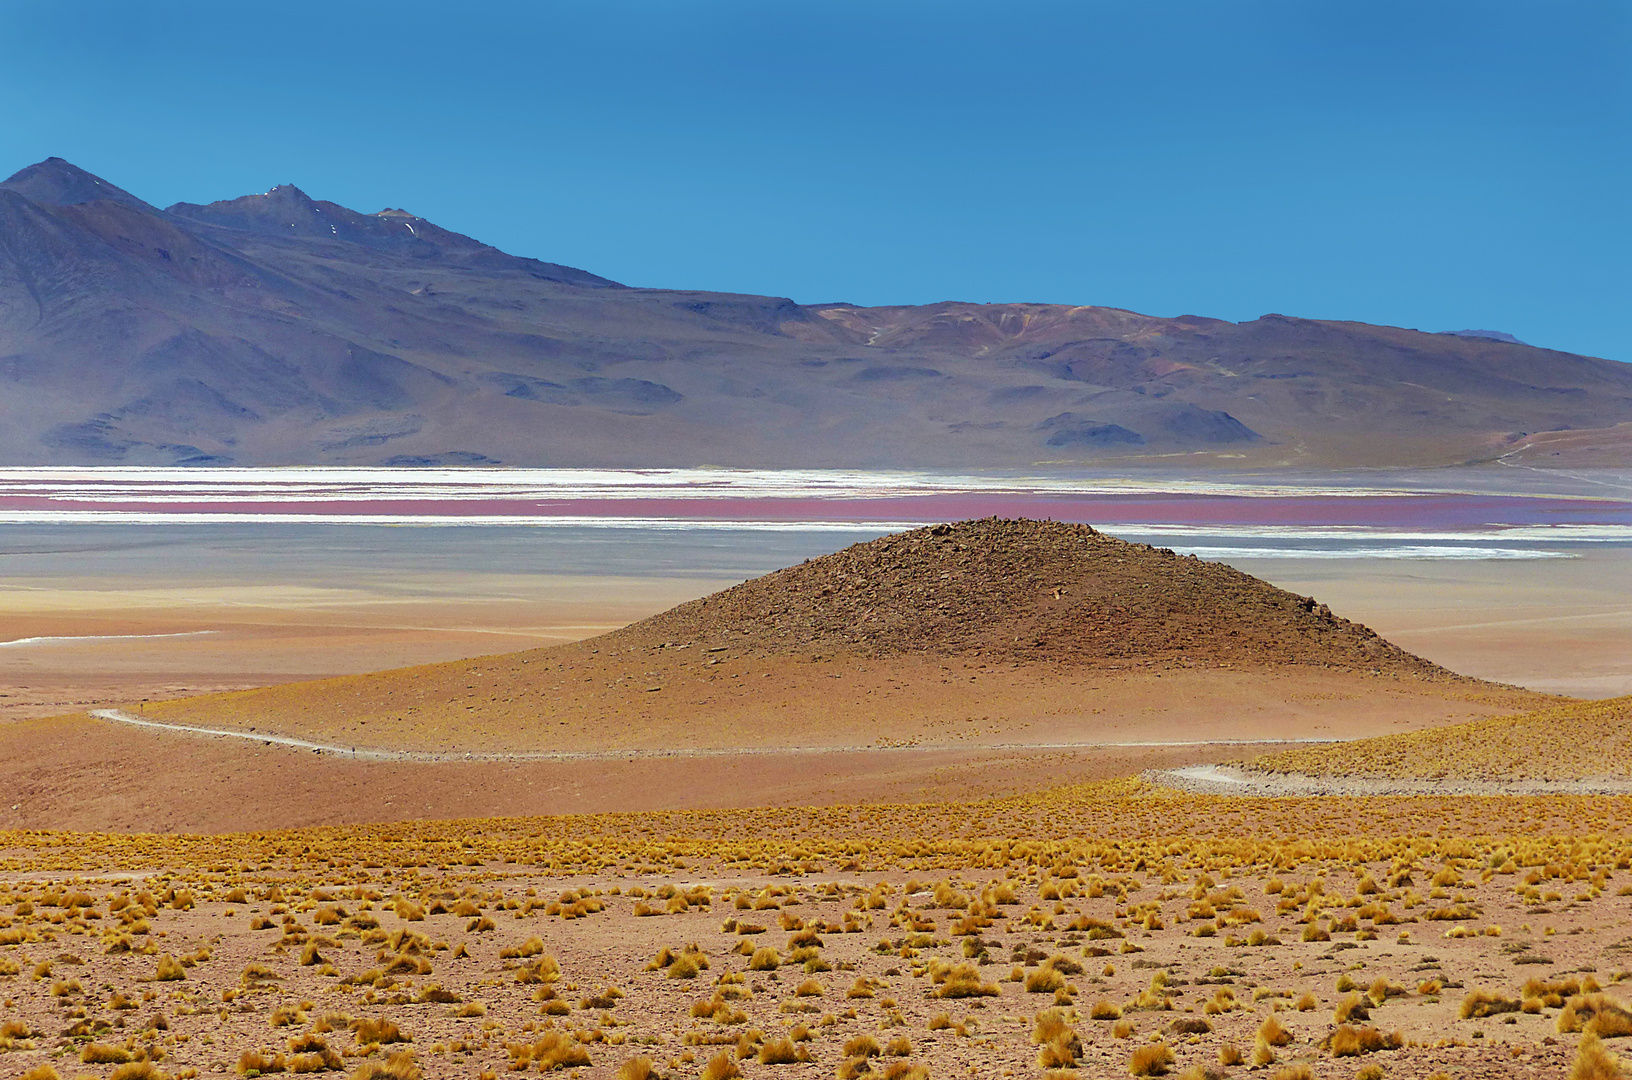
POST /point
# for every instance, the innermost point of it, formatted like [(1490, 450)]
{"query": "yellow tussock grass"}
[(1154, 1059)]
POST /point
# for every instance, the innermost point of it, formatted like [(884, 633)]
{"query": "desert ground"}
[(1093, 930), (899, 860)]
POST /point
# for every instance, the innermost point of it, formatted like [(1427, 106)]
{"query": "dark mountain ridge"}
[(279, 329)]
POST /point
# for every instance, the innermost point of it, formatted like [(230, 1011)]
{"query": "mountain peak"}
[(57, 182), (1488, 335), (284, 210)]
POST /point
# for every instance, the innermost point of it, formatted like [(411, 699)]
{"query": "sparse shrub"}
[(721, 1067), (1273, 1032), (862, 1046), (782, 1052), (399, 1066), (1593, 1062), (1045, 980), (1060, 1045), (1480, 1003), (1352, 1007), (1349, 1041), (138, 1070), (104, 1054), (1153, 1059), (370, 1029), (639, 1068), (963, 981)]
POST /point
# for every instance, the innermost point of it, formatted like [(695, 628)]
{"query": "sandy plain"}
[(1429, 937)]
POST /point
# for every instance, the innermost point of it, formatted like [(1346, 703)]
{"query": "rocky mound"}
[(1025, 590)]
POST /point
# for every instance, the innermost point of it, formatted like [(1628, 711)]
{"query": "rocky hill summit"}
[(1026, 591)]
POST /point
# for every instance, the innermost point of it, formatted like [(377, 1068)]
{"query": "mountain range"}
[(279, 329)]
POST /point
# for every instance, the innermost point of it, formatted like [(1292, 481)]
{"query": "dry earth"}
[(1082, 927)]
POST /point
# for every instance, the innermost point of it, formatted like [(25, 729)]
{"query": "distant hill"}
[(1025, 591), (982, 629), (279, 329)]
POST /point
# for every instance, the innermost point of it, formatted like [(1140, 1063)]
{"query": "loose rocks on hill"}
[(1026, 590)]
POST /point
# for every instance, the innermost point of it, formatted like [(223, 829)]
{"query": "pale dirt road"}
[(355, 753), (1227, 779)]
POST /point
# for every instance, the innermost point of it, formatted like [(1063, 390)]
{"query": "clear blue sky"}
[(1436, 165)]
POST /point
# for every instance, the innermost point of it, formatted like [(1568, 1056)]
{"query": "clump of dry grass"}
[(104, 1054), (1273, 1032), (533, 946), (138, 1070), (639, 1068), (1052, 1031), (963, 981), (721, 1066), (1482, 1003), (1152, 1059), (399, 1066), (1349, 1041), (862, 1046), (1352, 1007), (169, 970), (372, 1030), (1045, 980), (782, 1051), (552, 1050), (258, 1063), (1595, 1012), (543, 970), (1593, 1062)]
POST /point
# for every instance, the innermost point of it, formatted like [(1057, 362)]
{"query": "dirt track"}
[(375, 754), (1229, 779)]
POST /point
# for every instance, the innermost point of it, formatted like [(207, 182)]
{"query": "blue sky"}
[(1436, 165)]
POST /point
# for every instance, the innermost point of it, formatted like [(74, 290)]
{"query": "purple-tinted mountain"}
[(278, 329)]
